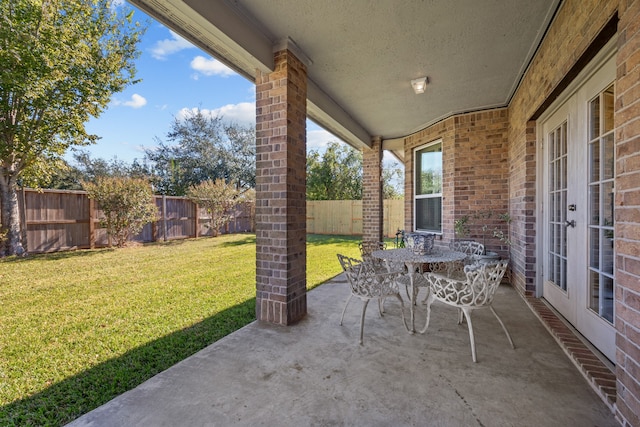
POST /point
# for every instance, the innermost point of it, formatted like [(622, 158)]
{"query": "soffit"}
[(361, 55)]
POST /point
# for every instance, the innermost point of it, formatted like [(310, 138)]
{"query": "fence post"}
[(196, 220), (164, 217), (92, 225), (22, 207)]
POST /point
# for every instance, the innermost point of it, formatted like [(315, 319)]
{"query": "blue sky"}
[(175, 77)]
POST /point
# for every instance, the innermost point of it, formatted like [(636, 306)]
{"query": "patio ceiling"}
[(361, 55)]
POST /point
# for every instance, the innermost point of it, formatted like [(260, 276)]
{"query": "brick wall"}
[(281, 191), (443, 130), (575, 26), (574, 29), (481, 170), (475, 170), (627, 212)]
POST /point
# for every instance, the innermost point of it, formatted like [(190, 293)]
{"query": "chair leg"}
[(467, 314), (504, 328), (345, 308), (428, 301), (404, 319), (406, 288), (364, 310)]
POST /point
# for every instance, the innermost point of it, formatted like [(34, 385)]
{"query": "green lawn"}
[(79, 328)]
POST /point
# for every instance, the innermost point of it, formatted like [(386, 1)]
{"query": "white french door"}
[(578, 165)]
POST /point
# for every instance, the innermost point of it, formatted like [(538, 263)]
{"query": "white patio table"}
[(413, 261)]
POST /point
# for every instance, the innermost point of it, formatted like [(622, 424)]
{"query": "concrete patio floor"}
[(316, 374)]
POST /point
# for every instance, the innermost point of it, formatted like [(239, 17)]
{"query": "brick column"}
[(281, 99), (372, 206)]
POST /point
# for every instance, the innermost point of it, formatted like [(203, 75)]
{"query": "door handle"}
[(571, 223)]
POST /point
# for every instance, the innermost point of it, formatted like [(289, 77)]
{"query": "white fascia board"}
[(323, 110), (216, 28)]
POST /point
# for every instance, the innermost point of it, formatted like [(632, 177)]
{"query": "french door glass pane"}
[(594, 112), (601, 198), (609, 157), (557, 255)]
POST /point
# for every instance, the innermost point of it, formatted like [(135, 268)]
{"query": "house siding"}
[(475, 168), (501, 162)]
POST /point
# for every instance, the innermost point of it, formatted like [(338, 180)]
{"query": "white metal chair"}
[(475, 291), (367, 284), (468, 247), (366, 248)]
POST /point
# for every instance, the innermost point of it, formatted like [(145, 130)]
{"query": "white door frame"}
[(603, 56), (569, 105)]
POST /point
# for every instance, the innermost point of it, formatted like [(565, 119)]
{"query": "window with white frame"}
[(428, 187)]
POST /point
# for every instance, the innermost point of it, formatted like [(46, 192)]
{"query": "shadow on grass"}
[(323, 239), (69, 399), (249, 239), (56, 256)]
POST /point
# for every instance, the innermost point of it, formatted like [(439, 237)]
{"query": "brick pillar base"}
[(372, 205), (281, 234)]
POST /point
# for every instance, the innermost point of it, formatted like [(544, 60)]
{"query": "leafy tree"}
[(127, 205), (202, 147), (84, 168), (218, 198), (336, 174), (392, 180), (61, 62)]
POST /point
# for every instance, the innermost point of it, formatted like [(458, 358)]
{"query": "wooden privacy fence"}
[(58, 220), (344, 217)]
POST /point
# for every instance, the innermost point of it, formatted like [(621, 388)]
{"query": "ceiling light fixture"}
[(419, 85)]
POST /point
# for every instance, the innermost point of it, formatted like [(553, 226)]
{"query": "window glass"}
[(429, 168), (428, 188)]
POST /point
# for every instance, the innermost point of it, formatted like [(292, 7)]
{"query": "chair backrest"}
[(476, 289), (365, 281), (469, 247), (348, 262), (367, 247), (483, 281)]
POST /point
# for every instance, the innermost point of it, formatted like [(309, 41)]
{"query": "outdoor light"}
[(419, 85)]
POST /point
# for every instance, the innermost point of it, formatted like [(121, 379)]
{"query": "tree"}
[(218, 198), (336, 174), (84, 168), (392, 182), (61, 62), (206, 149), (127, 205)]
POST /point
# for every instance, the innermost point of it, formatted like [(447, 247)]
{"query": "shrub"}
[(217, 197), (126, 203)]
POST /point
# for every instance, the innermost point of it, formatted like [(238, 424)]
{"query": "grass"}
[(79, 328)]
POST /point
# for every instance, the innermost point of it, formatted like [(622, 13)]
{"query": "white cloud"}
[(136, 101), (210, 67), (318, 139), (243, 113), (166, 47)]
